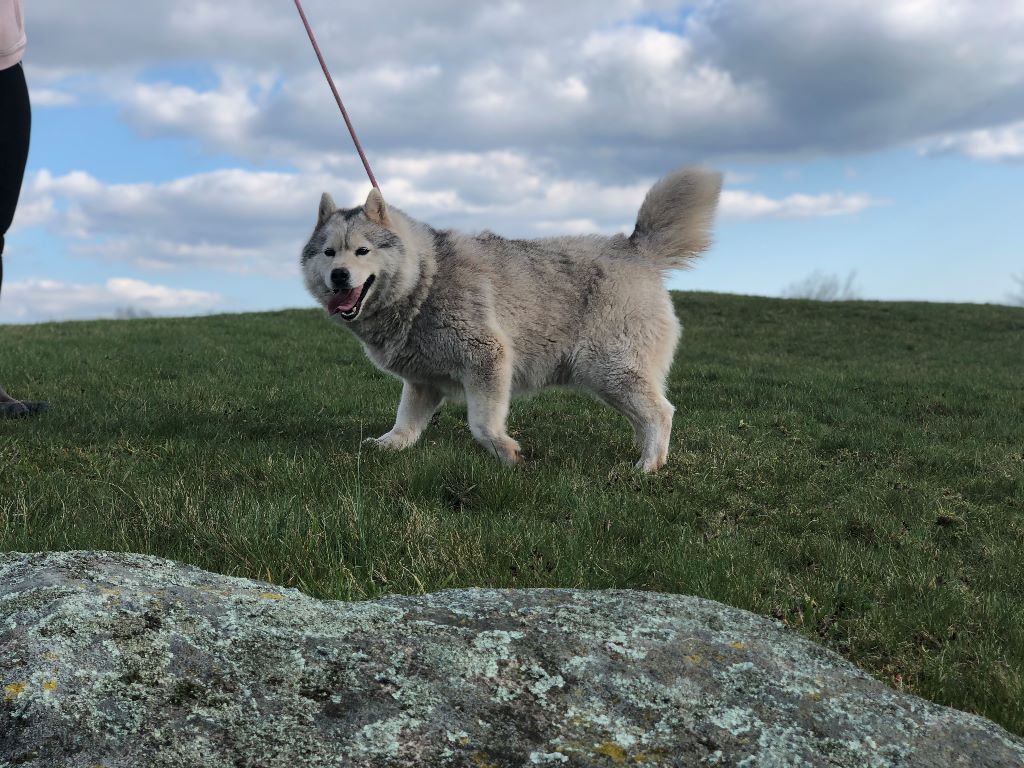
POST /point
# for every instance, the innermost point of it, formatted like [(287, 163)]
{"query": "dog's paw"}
[(391, 441), (13, 410), (647, 466), (509, 451)]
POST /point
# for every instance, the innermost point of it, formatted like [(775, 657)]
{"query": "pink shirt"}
[(12, 33)]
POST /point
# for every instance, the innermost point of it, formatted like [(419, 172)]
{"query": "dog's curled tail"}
[(674, 223)]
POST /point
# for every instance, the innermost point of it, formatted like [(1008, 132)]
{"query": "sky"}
[(179, 150)]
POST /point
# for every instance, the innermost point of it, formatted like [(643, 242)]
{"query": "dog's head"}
[(352, 256)]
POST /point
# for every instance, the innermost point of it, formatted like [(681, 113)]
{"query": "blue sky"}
[(178, 153)]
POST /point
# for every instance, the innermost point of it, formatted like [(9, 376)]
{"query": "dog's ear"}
[(376, 209), (327, 207)]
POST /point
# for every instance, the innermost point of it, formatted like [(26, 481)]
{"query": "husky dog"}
[(487, 318)]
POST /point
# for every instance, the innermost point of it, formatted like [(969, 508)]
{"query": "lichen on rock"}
[(129, 660)]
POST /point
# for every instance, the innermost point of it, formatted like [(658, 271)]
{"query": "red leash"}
[(337, 96)]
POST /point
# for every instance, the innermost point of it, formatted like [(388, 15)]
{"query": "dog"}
[(487, 318)]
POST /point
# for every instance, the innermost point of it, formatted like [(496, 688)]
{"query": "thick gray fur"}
[(486, 317)]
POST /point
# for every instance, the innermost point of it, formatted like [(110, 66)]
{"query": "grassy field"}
[(853, 469)]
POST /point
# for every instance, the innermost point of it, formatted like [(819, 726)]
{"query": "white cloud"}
[(38, 300), (224, 115), (33, 211), (1002, 143), (568, 81), (741, 204), (849, 75), (51, 97), (737, 178)]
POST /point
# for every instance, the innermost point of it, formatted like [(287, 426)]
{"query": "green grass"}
[(853, 469)]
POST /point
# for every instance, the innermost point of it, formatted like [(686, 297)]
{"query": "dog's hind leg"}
[(642, 402), (488, 394), (414, 411)]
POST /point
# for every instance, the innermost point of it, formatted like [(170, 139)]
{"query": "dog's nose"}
[(340, 278)]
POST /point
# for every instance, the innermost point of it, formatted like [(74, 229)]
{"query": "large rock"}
[(125, 660)]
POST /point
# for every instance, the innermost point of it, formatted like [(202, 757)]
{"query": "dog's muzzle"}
[(349, 301)]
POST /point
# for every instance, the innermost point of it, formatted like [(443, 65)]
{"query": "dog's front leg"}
[(414, 411), (488, 394)]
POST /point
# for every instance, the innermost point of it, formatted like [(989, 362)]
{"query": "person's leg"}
[(15, 128), (6, 401), (8, 405)]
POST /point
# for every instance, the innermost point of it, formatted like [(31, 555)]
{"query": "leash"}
[(337, 96)]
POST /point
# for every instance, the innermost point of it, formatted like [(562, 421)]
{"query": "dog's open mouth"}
[(348, 303)]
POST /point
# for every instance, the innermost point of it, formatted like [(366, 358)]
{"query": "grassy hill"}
[(853, 469)]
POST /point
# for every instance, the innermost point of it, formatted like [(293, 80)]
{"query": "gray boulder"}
[(126, 660)]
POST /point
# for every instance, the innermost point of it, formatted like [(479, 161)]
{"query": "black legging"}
[(15, 126)]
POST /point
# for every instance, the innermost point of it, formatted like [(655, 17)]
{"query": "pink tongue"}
[(343, 301)]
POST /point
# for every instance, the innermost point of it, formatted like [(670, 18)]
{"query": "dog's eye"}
[(329, 253), (361, 251)]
